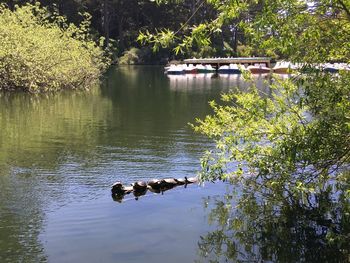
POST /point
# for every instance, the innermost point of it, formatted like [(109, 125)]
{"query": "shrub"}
[(130, 57), (40, 51)]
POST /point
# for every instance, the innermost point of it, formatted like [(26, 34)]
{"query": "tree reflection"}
[(252, 228)]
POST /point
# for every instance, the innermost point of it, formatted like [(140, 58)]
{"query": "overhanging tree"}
[(287, 152)]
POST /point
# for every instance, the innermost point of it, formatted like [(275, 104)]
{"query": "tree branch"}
[(345, 8)]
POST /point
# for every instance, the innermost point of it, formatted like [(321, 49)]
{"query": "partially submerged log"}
[(140, 188)]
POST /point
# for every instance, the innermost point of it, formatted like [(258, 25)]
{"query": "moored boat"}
[(190, 69), (229, 69), (259, 69), (224, 69), (234, 69), (282, 67), (175, 69), (331, 68), (200, 68), (209, 69), (205, 68)]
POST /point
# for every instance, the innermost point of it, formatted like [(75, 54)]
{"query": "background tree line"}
[(120, 22)]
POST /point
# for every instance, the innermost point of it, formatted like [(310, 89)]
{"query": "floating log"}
[(191, 180), (181, 181), (155, 185), (169, 182)]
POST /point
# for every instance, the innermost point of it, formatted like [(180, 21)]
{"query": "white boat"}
[(332, 68), (282, 67), (205, 68), (209, 69), (344, 66), (200, 68), (259, 69), (175, 69), (224, 69), (234, 69), (190, 68), (230, 69)]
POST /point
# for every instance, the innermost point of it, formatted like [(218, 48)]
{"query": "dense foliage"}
[(120, 22), (41, 51), (296, 138), (302, 30), (286, 150), (289, 142)]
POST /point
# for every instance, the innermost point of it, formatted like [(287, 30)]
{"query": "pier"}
[(217, 62)]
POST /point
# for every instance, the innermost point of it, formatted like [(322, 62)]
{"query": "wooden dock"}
[(217, 62)]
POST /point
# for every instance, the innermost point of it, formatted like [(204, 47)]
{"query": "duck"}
[(191, 180), (139, 186)]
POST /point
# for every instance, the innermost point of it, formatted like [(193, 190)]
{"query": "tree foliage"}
[(296, 139), (292, 141), (311, 30), (121, 21), (41, 51)]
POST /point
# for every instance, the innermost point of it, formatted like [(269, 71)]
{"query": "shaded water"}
[(59, 154)]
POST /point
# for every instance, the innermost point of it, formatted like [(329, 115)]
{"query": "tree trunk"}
[(106, 20), (120, 31), (235, 40)]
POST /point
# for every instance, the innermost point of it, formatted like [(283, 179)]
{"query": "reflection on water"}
[(61, 152), (200, 82), (267, 230)]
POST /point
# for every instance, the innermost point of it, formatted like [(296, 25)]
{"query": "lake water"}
[(61, 152)]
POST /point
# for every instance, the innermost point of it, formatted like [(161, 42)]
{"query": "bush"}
[(130, 57), (40, 51)]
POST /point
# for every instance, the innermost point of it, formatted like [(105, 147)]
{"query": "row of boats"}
[(282, 67)]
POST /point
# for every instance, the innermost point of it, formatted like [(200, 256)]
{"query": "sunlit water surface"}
[(61, 152)]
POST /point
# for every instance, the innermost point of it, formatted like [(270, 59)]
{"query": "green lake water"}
[(60, 153)]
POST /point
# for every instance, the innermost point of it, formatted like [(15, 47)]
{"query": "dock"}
[(217, 62)]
